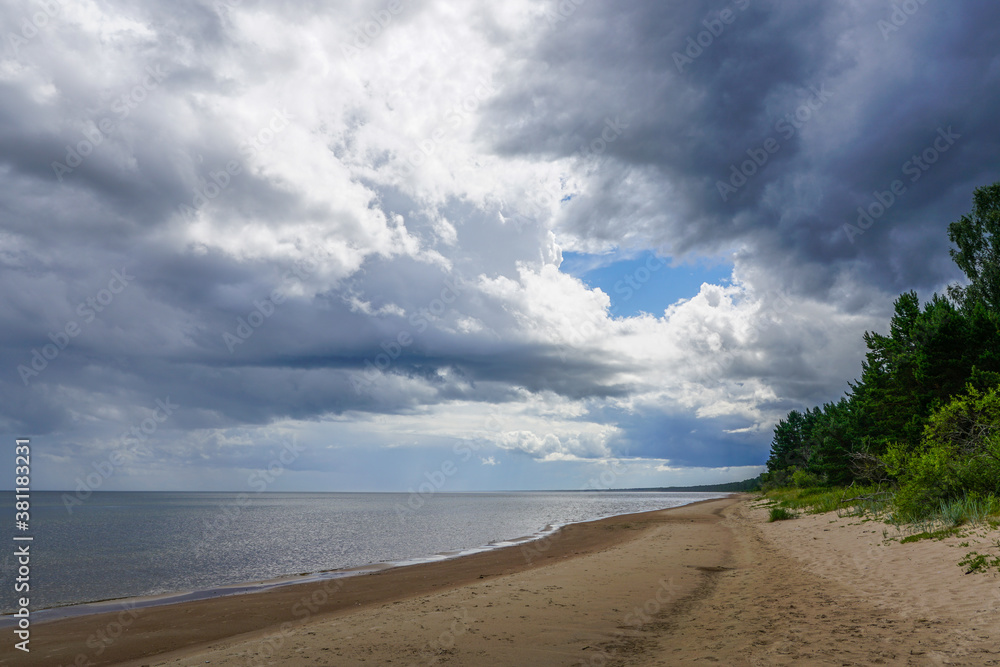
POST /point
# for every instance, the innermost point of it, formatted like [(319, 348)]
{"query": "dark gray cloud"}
[(694, 112), (204, 156)]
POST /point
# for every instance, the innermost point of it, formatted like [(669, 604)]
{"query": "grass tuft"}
[(875, 503), (850, 501), (930, 535), (977, 562), (780, 514)]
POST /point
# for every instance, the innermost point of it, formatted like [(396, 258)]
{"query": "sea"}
[(115, 545)]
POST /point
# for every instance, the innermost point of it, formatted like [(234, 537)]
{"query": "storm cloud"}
[(346, 225)]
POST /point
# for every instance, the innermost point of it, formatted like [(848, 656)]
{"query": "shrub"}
[(930, 535), (780, 514), (977, 562), (959, 456), (972, 508), (775, 479), (805, 480)]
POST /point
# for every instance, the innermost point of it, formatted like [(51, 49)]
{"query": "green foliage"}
[(775, 479), (780, 514), (929, 356), (925, 414), (817, 443), (833, 440), (805, 480), (747, 485), (912, 417), (971, 508), (930, 535), (958, 460), (853, 500), (978, 254), (977, 562), (790, 447)]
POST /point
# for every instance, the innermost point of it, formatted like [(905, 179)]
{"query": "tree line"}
[(924, 417)]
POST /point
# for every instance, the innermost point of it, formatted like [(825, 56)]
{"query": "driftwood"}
[(868, 466), (871, 497)]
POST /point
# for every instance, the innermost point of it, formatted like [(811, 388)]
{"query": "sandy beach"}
[(709, 583)]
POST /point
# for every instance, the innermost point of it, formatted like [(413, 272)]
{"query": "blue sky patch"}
[(645, 282)]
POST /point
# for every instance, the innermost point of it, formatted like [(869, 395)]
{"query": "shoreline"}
[(115, 605), (127, 633), (711, 581)]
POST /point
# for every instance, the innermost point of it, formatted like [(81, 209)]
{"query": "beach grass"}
[(780, 514), (939, 534), (854, 500), (969, 510), (878, 503)]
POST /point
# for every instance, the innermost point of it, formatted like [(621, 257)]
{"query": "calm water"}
[(132, 544)]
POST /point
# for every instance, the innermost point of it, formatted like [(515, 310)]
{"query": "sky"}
[(422, 246)]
